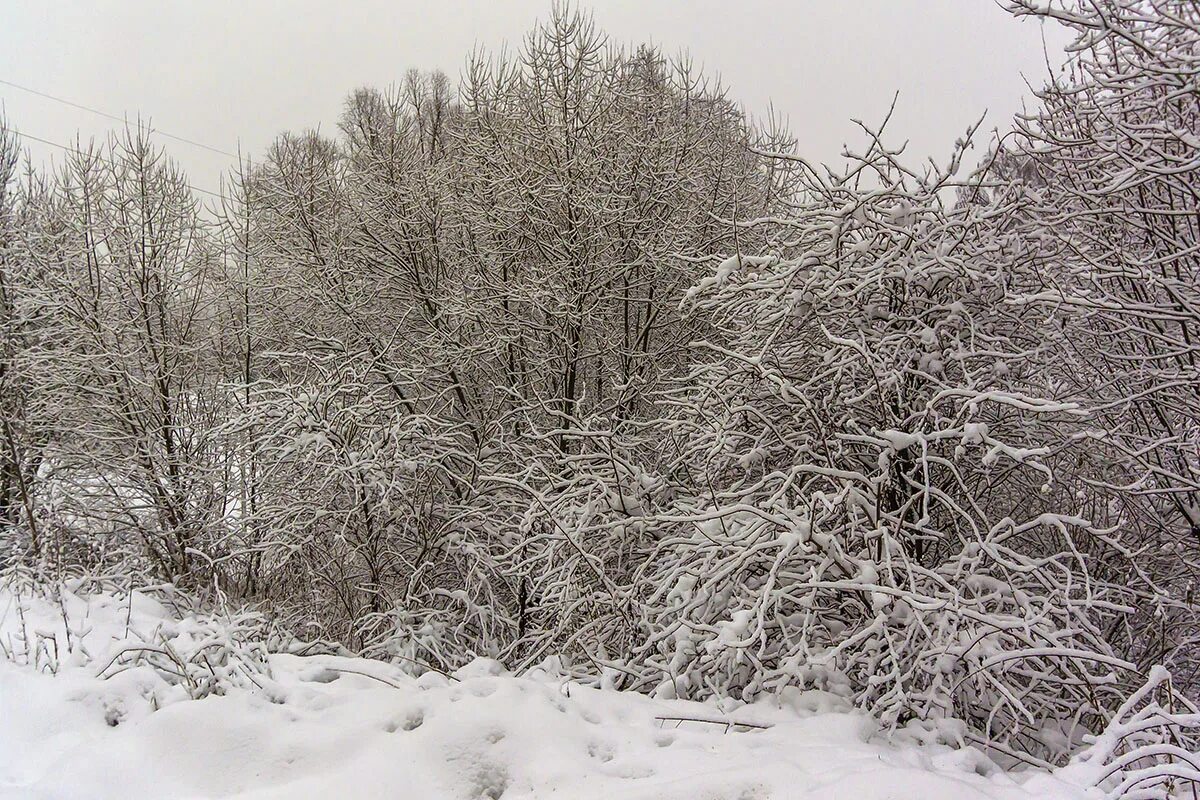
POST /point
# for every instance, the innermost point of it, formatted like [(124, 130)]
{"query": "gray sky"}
[(224, 72)]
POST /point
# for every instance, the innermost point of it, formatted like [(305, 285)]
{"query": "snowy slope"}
[(333, 727)]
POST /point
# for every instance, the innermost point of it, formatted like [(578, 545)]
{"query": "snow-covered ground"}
[(326, 726)]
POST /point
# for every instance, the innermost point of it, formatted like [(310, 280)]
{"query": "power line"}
[(93, 155), (115, 117)]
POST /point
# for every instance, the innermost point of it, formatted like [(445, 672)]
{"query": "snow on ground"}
[(326, 726)]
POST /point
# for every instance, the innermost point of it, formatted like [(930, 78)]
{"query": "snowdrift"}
[(101, 696)]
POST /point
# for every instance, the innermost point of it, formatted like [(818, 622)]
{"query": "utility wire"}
[(94, 155), (124, 120)]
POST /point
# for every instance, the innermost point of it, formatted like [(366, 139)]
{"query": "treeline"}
[(574, 359)]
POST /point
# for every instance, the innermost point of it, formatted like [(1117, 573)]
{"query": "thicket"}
[(576, 359)]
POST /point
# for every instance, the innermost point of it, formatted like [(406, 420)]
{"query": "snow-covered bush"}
[(576, 536), (1150, 749), (167, 642), (870, 458), (363, 519), (1110, 161)]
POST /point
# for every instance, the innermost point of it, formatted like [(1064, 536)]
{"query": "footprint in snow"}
[(600, 751), (409, 723)]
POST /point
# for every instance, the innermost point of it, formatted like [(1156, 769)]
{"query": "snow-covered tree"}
[(123, 297)]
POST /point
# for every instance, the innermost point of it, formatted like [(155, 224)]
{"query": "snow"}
[(325, 726)]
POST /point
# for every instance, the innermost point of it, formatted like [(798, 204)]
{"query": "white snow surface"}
[(345, 728)]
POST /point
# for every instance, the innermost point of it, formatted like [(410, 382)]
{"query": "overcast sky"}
[(236, 72)]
